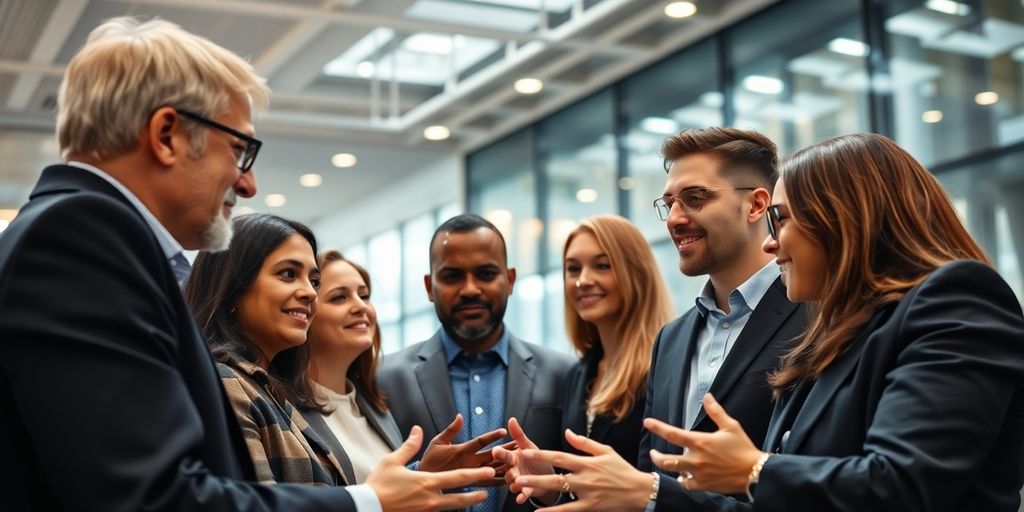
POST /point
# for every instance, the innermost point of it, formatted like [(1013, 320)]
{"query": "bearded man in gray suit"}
[(473, 365)]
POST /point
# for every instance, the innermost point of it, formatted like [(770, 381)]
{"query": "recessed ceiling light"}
[(932, 116), (528, 85), (436, 132), (586, 195), (310, 180), (763, 84), (275, 200), (948, 7), (848, 46), (424, 42), (659, 125), (680, 9), (986, 98), (626, 183), (365, 69), (343, 160)]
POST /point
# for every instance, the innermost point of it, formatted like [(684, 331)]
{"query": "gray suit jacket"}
[(419, 390), (382, 422)]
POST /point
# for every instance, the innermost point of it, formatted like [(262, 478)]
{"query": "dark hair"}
[(217, 284), (743, 152), (363, 370), (465, 223), (886, 224)]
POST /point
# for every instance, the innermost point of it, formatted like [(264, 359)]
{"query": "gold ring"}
[(687, 478), (566, 489), (673, 463)]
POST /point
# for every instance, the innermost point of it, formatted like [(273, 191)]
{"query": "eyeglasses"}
[(252, 146), (774, 214), (691, 200)]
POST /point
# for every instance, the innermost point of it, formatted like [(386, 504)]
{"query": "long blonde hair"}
[(646, 308), (885, 223)]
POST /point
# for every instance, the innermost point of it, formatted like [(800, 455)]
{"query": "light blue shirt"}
[(478, 387), (716, 339), (365, 499)]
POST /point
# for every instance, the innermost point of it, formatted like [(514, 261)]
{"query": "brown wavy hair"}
[(363, 371), (646, 308), (885, 224)]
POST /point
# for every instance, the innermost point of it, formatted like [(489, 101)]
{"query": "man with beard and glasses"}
[(473, 365), (716, 195), (109, 398)]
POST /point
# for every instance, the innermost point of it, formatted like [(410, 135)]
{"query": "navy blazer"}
[(109, 399), (741, 385), (416, 382), (622, 436), (923, 412)]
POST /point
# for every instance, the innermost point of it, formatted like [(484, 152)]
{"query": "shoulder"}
[(400, 359), (544, 356), (963, 282)]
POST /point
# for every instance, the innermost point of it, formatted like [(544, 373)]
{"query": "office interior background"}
[(389, 116)]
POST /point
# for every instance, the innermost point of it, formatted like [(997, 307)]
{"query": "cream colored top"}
[(364, 447)]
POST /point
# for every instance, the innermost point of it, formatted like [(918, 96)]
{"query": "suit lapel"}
[(683, 352), (322, 435), (828, 384), (382, 423), (435, 384), (771, 312), (519, 381)]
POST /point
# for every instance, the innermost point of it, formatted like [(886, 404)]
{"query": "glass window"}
[(658, 102), (390, 337), (554, 296), (385, 267), (955, 75), (990, 199), (682, 288), (357, 253), (419, 326), (579, 160), (805, 82), (416, 236), (503, 190), (524, 315)]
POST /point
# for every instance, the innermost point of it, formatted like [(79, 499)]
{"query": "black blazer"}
[(924, 411), (741, 385), (109, 399), (623, 436), (419, 391)]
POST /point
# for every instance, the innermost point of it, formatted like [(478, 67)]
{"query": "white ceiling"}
[(397, 66)]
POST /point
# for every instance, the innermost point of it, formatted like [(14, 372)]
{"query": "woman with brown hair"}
[(907, 392)]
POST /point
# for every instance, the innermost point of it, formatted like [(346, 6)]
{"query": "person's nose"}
[(245, 185)]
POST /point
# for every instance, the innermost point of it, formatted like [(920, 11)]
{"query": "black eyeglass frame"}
[(772, 217), (660, 202), (252, 145)]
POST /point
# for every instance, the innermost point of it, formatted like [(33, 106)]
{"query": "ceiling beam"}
[(60, 25), (277, 10)]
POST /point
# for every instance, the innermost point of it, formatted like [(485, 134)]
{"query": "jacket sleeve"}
[(88, 362)]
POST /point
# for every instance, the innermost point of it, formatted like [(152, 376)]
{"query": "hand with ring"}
[(600, 480), (724, 457)]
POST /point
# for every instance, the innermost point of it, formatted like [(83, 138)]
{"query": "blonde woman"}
[(615, 303)]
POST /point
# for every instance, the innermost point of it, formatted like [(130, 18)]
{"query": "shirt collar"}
[(452, 350), (168, 244), (748, 293)]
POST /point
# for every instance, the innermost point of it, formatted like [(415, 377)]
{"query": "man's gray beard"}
[(475, 333), (217, 236)]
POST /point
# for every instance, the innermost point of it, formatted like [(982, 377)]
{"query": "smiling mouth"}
[(298, 314)]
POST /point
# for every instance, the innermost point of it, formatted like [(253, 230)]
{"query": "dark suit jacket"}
[(381, 422), (419, 390), (924, 411), (109, 399), (741, 385), (623, 436)]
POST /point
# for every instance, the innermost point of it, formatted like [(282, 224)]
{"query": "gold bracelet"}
[(755, 474)]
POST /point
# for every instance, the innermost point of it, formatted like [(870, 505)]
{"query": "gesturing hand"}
[(517, 465), (442, 455), (601, 481), (719, 461), (402, 490)]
